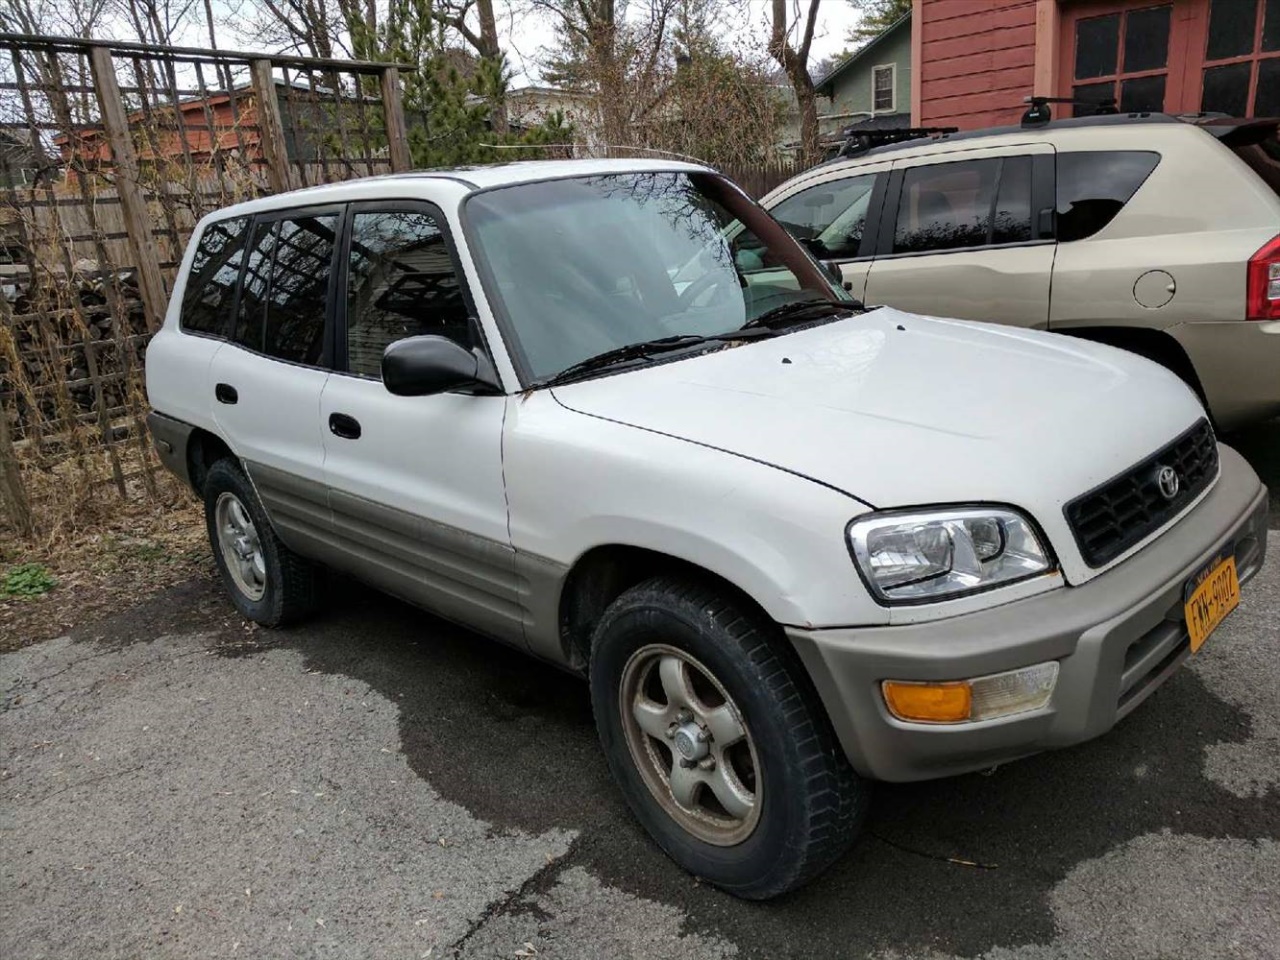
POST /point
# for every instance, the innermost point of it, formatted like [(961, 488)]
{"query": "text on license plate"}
[(1216, 596)]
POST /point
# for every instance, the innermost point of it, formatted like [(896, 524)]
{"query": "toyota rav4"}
[(613, 414)]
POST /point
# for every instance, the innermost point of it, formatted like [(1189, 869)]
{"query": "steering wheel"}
[(712, 280)]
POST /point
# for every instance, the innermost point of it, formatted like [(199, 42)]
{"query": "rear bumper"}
[(1238, 365), (1116, 639), (170, 438)]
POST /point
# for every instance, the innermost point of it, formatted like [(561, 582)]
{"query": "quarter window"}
[(829, 218), (883, 80), (255, 286), (401, 283), (1094, 187), (211, 284), (971, 203), (295, 309)]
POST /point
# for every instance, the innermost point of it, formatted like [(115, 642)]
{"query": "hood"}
[(897, 409)]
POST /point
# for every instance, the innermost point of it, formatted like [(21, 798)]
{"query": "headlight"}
[(921, 556)]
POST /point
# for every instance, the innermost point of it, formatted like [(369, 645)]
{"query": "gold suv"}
[(1147, 232)]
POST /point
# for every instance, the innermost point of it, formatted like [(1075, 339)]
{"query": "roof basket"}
[(859, 143), (1038, 113)]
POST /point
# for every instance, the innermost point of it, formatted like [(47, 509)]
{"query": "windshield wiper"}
[(799, 311), (638, 351)]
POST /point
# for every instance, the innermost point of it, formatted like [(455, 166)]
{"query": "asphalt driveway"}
[(377, 783)]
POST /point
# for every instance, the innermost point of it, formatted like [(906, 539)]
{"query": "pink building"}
[(975, 60)]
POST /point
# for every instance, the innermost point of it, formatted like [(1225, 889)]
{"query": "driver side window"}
[(829, 218), (400, 283)]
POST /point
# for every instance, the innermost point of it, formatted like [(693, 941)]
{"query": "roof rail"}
[(857, 143), (1039, 113)]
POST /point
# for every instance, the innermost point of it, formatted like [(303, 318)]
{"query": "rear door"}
[(968, 235), (830, 213), (268, 377)]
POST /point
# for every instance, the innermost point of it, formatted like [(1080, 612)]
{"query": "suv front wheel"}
[(268, 582), (718, 742)]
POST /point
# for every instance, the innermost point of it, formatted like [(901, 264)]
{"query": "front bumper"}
[(1116, 639)]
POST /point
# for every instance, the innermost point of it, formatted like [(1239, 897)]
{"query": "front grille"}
[(1110, 519)]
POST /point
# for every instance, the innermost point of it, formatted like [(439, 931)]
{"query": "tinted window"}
[(1094, 187), (1231, 28), (1097, 42), (1012, 223), (830, 217), (1270, 35), (1266, 102), (254, 288), (1226, 89), (302, 263), (211, 284), (1146, 39), (1142, 93), (401, 284), (949, 206)]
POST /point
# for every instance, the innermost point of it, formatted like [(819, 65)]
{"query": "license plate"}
[(1212, 595)]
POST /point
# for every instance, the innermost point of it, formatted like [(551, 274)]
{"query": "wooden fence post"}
[(133, 203), (275, 148), (393, 115), (12, 493)]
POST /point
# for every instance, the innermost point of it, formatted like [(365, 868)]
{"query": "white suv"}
[(1145, 232), (794, 545)]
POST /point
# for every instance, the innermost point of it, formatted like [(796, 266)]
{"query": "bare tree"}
[(795, 61)]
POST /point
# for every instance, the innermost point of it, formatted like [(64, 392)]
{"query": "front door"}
[(969, 235), (416, 488)]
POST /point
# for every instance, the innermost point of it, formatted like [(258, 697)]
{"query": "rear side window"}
[(400, 283), (829, 218), (1094, 187), (255, 286), (302, 263), (972, 203), (211, 284)]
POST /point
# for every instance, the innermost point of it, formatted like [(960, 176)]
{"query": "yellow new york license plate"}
[(1217, 594)]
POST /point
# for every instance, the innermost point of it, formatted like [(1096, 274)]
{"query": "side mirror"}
[(421, 366)]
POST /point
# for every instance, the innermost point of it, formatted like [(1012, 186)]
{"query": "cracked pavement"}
[(377, 783)]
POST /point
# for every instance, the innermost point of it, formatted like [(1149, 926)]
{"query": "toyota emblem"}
[(1167, 481)]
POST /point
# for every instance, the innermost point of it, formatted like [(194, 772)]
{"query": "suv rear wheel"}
[(712, 730), (268, 582)]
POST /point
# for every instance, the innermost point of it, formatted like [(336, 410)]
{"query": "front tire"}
[(268, 582), (718, 741)]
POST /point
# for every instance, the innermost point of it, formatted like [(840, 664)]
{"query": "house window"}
[(883, 78), (1122, 57), (1242, 58)]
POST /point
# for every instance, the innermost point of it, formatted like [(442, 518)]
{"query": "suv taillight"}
[(1263, 285)]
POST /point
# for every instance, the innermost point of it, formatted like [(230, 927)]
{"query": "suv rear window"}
[(1094, 187), (954, 205), (211, 284)]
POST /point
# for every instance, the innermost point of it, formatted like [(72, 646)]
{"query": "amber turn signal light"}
[(928, 702)]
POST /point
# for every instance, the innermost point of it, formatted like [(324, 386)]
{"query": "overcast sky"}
[(525, 35)]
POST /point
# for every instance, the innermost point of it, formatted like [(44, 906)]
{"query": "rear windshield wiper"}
[(800, 311), (638, 351)]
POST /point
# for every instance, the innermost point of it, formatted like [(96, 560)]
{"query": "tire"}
[(806, 804), (276, 586)]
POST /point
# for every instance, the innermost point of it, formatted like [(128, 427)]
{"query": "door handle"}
[(225, 393), (341, 425)]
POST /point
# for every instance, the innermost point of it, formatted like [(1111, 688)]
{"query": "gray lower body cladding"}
[(170, 438), (480, 583), (1116, 638)]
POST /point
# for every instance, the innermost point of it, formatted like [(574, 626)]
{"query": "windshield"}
[(585, 265)]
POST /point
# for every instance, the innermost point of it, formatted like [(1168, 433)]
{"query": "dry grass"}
[(104, 552)]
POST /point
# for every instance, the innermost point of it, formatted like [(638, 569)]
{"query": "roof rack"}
[(857, 143), (1039, 113)]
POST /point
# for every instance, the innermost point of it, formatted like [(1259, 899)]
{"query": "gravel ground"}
[(380, 784)]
